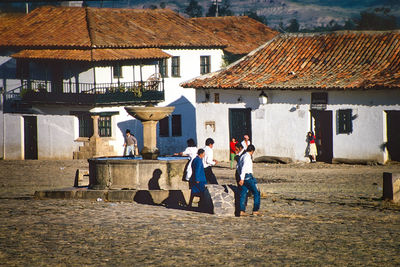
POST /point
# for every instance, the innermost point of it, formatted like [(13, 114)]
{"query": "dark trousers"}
[(210, 177)]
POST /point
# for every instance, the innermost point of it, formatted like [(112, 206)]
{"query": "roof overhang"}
[(92, 54)]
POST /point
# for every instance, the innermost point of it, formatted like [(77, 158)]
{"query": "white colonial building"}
[(344, 86), (68, 72)]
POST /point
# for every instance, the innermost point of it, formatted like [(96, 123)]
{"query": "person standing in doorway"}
[(130, 144), (312, 147), (232, 147), (248, 182), (209, 161)]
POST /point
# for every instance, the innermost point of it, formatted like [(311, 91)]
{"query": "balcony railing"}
[(34, 91)]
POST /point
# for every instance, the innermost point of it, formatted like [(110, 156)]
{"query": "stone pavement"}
[(314, 214)]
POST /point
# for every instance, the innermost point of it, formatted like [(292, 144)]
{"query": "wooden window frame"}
[(176, 123), (344, 121), (117, 71), (163, 127), (105, 126), (205, 64), (175, 66), (163, 68)]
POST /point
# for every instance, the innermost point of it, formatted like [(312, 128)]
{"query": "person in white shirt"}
[(245, 143), (248, 182), (191, 152), (209, 161)]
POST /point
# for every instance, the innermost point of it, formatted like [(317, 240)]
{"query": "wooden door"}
[(30, 137), (324, 134), (393, 135)]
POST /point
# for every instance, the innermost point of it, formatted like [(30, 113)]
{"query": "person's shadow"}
[(154, 181)]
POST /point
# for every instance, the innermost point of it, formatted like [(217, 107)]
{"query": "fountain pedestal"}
[(149, 116)]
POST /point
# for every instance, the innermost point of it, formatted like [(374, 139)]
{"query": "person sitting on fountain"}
[(198, 180), (130, 144), (191, 152)]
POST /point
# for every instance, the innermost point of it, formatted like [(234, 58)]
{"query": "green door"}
[(239, 123)]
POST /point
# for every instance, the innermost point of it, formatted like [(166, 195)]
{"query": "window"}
[(216, 98), (175, 67), (22, 69), (344, 121), (204, 64), (176, 125), (85, 125), (117, 71), (163, 68), (164, 127), (105, 126), (319, 101)]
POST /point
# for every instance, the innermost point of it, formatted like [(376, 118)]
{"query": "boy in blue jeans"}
[(248, 182)]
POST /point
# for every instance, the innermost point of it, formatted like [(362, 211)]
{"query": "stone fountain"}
[(149, 173)]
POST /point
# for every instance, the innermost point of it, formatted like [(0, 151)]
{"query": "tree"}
[(294, 26), (378, 19), (194, 10), (253, 15)]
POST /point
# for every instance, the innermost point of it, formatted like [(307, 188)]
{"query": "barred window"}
[(205, 64), (105, 126), (344, 121), (163, 68), (175, 67)]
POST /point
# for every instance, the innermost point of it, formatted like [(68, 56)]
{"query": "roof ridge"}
[(341, 32)]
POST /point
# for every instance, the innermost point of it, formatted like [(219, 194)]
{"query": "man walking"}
[(208, 161), (248, 182)]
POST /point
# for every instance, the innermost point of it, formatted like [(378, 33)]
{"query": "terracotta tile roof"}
[(146, 28), (242, 34), (106, 27), (8, 20), (49, 26), (340, 60), (93, 54)]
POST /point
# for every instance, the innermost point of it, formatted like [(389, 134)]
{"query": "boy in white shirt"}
[(248, 182), (209, 161)]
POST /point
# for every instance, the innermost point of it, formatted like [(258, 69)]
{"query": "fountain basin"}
[(133, 173), (149, 113)]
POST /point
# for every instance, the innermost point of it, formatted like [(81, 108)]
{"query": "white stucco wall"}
[(13, 136), (184, 100), (55, 138), (280, 126)]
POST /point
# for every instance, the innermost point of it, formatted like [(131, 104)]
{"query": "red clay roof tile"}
[(106, 27), (93, 54), (340, 60), (242, 34)]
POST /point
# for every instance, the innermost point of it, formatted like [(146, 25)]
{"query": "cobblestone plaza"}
[(314, 214)]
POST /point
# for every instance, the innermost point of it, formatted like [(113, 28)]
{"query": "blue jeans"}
[(250, 183)]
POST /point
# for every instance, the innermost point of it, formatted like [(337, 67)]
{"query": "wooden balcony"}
[(100, 94)]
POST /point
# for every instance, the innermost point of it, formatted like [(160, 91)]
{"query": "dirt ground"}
[(314, 214)]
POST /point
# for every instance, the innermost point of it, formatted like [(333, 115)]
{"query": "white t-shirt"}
[(190, 151), (208, 159)]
